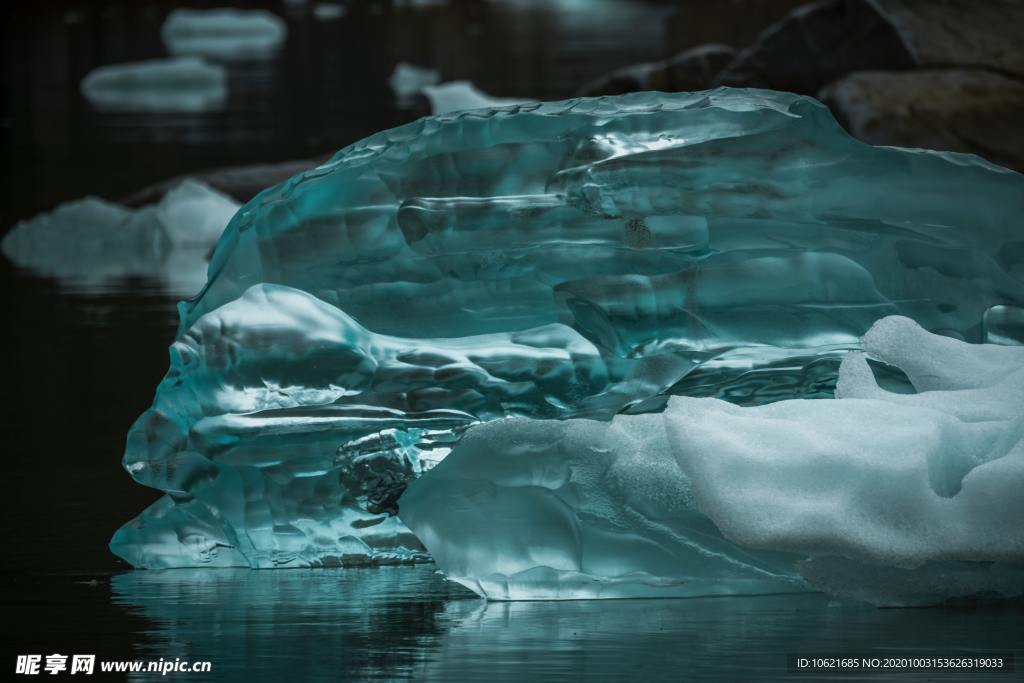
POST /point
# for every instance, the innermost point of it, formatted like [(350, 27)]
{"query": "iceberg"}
[(892, 498), (91, 243), (184, 84), (223, 33), (585, 260)]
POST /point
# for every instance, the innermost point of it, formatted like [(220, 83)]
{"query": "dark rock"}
[(733, 22), (977, 33), (960, 110), (693, 69), (818, 43)]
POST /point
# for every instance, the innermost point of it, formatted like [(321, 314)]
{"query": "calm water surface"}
[(407, 622)]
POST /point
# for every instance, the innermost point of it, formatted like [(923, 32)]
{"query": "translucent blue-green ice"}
[(560, 264)]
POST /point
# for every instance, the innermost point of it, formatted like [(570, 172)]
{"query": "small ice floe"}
[(223, 33), (328, 11), (408, 80), (91, 243), (185, 84)]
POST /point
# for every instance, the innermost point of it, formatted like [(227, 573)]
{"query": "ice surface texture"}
[(92, 243), (894, 498), (549, 261)]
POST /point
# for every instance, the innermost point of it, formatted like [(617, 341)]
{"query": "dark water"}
[(405, 622), (81, 364)]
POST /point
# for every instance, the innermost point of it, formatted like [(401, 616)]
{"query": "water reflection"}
[(310, 625), (404, 622)]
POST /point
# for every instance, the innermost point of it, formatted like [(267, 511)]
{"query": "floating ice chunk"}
[(193, 214), (461, 95), (185, 84), (223, 33), (729, 243), (91, 242), (328, 11), (895, 498), (408, 80)]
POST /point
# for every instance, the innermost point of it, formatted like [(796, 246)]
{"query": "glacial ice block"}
[(547, 261), (893, 498), (183, 84), (92, 243), (223, 33)]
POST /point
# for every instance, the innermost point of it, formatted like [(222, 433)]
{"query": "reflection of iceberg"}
[(408, 80), (896, 498), (551, 261), (460, 95), (404, 623), (91, 242), (336, 625), (185, 84), (223, 33)]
